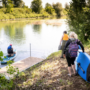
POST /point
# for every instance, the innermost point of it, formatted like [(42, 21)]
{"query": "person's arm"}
[(79, 43)]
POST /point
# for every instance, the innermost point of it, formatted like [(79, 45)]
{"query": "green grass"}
[(55, 54)]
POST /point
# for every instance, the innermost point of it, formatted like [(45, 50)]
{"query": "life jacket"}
[(65, 37), (9, 47)]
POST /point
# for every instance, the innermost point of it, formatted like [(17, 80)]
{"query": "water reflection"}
[(14, 32), (37, 28)]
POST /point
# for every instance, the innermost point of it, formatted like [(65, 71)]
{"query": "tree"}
[(36, 6), (18, 3), (66, 6), (48, 5), (49, 8), (4, 3), (9, 6), (58, 8), (79, 19)]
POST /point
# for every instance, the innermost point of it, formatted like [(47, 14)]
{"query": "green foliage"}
[(77, 5), (9, 6), (4, 3), (79, 19), (28, 11), (4, 83), (9, 9), (5, 57), (9, 62), (21, 74), (36, 6), (12, 70), (22, 13), (67, 6), (56, 54), (65, 11), (1, 55), (17, 3), (7, 84), (49, 9), (58, 8)]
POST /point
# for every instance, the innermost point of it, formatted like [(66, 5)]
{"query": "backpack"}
[(73, 48)]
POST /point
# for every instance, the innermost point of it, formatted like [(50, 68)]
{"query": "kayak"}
[(82, 65), (6, 59)]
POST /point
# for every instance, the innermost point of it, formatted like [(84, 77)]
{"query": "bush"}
[(21, 13), (9, 10)]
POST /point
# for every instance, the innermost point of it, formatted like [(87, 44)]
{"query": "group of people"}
[(66, 41)]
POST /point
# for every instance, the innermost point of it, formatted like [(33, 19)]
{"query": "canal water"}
[(30, 39)]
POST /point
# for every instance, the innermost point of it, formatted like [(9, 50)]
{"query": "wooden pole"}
[(30, 49)]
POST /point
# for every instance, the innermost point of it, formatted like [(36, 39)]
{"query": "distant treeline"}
[(18, 9)]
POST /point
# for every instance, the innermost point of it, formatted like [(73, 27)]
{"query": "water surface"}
[(42, 38)]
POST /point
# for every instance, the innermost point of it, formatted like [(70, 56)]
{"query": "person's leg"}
[(9, 52), (62, 50), (61, 54), (69, 70), (12, 54), (69, 65), (73, 65), (9, 55), (63, 45)]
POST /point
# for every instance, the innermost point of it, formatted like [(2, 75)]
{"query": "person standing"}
[(63, 41), (70, 51)]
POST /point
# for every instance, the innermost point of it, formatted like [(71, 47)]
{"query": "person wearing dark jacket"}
[(70, 60)]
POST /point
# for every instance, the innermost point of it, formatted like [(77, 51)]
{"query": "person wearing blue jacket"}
[(10, 50)]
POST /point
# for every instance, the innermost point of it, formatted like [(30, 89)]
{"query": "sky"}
[(28, 2)]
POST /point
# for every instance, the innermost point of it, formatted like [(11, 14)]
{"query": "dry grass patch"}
[(51, 74)]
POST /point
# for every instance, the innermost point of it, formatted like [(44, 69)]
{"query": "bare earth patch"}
[(51, 74), (55, 22)]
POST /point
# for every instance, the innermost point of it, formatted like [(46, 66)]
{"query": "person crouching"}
[(10, 51)]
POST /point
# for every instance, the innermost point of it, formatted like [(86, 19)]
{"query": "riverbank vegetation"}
[(50, 74), (79, 19), (13, 9)]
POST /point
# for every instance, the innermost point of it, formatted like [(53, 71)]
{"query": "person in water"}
[(63, 41), (70, 60), (10, 50)]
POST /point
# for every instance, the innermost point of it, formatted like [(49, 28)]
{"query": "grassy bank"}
[(51, 74), (21, 13)]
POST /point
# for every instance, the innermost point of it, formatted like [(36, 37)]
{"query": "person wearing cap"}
[(63, 40), (10, 50)]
